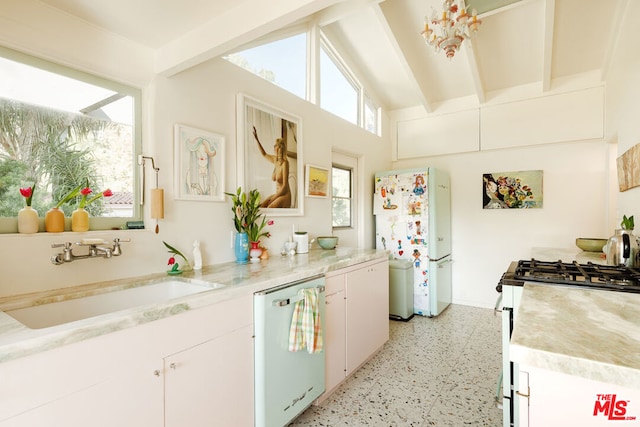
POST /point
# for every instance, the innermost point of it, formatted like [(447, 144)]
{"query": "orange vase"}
[(80, 220), (54, 221)]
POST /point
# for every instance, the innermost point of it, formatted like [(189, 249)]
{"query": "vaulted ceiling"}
[(528, 46)]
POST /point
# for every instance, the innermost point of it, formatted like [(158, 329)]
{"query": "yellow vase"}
[(28, 220), (54, 221), (80, 220)]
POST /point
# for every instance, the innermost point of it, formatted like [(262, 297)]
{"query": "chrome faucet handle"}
[(116, 251), (66, 245)]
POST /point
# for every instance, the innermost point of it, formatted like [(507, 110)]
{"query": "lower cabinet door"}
[(211, 384), (335, 340), (367, 312), (132, 399)]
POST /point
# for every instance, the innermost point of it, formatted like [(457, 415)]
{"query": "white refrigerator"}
[(412, 209)]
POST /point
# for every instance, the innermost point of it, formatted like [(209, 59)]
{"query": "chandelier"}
[(448, 30)]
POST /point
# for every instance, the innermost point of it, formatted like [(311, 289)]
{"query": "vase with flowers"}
[(28, 221), (54, 218), (249, 223), (80, 217)]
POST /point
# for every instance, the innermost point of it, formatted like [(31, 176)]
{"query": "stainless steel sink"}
[(57, 313)]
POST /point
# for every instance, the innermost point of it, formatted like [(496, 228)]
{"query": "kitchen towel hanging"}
[(306, 329)]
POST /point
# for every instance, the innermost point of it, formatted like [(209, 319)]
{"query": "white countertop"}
[(588, 333), (16, 340), (568, 255)]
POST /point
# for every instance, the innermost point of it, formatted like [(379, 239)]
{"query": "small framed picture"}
[(316, 181), (198, 164)]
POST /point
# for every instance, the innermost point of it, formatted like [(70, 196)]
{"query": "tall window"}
[(342, 196), (285, 62), (61, 129), (282, 62), (371, 114), (338, 92)]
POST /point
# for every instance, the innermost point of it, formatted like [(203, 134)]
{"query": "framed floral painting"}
[(316, 181), (269, 156), (512, 190), (198, 164)]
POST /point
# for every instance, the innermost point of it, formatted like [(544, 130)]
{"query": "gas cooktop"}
[(593, 276)]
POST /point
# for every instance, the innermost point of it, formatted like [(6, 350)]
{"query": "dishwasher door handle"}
[(287, 301)]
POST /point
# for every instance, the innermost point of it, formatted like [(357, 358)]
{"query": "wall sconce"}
[(157, 194)]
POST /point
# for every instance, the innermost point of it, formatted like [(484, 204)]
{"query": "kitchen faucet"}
[(97, 248)]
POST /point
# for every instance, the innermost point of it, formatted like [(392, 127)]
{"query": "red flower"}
[(27, 193), (86, 191), (172, 261)]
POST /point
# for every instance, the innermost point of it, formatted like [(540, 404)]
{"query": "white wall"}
[(484, 242), (202, 97), (623, 106)]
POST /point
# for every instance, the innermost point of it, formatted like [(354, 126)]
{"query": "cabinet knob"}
[(156, 373), (172, 365)]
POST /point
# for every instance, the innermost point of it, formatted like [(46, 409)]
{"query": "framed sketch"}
[(269, 156), (316, 181), (198, 164), (512, 190)]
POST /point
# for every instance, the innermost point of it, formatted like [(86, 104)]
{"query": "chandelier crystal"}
[(448, 30)]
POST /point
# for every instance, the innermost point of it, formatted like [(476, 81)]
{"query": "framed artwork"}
[(628, 166), (512, 190), (270, 156), (316, 181), (198, 164)]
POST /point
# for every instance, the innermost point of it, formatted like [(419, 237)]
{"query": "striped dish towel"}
[(306, 330)]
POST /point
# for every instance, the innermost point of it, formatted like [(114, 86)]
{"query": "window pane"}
[(337, 94), (341, 213), (341, 197), (60, 132), (282, 62), (370, 115), (341, 180)]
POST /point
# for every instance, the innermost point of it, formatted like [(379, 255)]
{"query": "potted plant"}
[(248, 221)]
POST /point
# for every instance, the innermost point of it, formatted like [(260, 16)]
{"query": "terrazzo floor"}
[(440, 371)]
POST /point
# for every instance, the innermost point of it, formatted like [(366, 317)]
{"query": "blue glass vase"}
[(242, 247)]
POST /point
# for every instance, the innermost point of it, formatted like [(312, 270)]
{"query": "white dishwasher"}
[(286, 382)]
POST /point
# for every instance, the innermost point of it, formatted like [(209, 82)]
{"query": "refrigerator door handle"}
[(439, 259)]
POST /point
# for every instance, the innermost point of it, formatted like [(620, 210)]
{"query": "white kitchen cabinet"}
[(335, 332), (207, 385), (127, 378), (356, 319), (133, 398), (367, 312), (549, 398)]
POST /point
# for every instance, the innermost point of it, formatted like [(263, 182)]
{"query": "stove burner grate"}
[(588, 275)]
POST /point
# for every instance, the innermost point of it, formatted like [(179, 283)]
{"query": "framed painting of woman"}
[(199, 164), (269, 155)]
